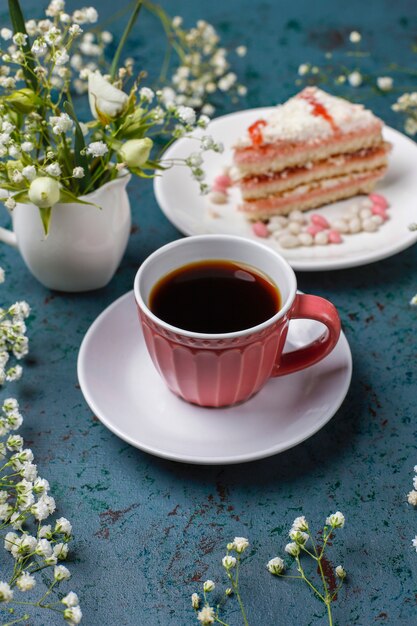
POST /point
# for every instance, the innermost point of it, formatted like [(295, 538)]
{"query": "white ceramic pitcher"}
[(85, 243)]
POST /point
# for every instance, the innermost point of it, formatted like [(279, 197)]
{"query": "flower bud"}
[(340, 572), (276, 566), (135, 152), (44, 192), (23, 100), (293, 549), (208, 586), (228, 561)]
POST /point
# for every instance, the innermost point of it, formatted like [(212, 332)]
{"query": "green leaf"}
[(68, 197), (20, 196), (46, 218), (18, 23), (129, 26), (80, 156)]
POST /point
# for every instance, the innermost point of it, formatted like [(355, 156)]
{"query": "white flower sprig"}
[(303, 542), (205, 612), (25, 503)]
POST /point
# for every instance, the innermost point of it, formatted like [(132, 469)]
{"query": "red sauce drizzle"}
[(255, 132), (319, 109)]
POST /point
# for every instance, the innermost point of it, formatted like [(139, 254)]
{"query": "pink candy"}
[(319, 220), (334, 236), (313, 229), (379, 210), (222, 182), (260, 229), (378, 200)]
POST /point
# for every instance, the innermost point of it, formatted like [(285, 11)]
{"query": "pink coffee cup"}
[(224, 369)]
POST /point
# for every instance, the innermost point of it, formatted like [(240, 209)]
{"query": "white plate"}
[(123, 389), (180, 199)]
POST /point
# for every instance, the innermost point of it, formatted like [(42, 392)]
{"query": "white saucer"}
[(179, 197), (123, 389)]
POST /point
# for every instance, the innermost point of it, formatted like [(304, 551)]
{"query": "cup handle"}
[(8, 236), (312, 308)]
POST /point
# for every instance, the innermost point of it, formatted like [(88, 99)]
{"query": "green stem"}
[(130, 24), (329, 613)]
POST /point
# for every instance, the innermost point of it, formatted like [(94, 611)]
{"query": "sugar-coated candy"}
[(369, 225), (306, 239), (354, 209), (377, 219), (319, 220), (297, 216), (313, 229), (341, 225), (365, 213), (321, 239), (334, 236), (260, 229), (217, 197), (223, 181), (289, 241), (277, 222), (365, 203), (294, 228), (376, 198), (379, 210), (355, 225)]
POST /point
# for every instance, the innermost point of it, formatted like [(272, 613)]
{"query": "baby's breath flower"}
[(195, 600), (303, 69), (414, 543), (336, 520), (385, 83), (240, 544), (412, 495), (78, 172), (300, 523), (340, 572), (10, 203), (208, 586), (228, 561), (71, 599), (186, 115), (6, 594), (276, 566), (53, 169), (6, 33), (20, 39), (62, 525), (146, 94), (61, 572), (241, 51), (73, 615), (298, 536), (355, 37), (25, 582), (27, 146), (29, 172), (97, 149), (293, 549), (355, 79), (206, 615)]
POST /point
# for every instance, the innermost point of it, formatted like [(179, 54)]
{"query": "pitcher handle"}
[(8, 236)]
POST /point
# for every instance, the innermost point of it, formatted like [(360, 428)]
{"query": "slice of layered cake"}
[(313, 149)]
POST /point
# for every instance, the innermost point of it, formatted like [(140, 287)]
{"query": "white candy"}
[(366, 203), (355, 225), (277, 222), (321, 239), (297, 216), (341, 225), (217, 197), (353, 209), (377, 219), (288, 241), (294, 228), (365, 213), (305, 239), (369, 226)]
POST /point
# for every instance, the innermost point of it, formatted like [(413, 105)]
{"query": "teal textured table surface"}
[(148, 531)]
